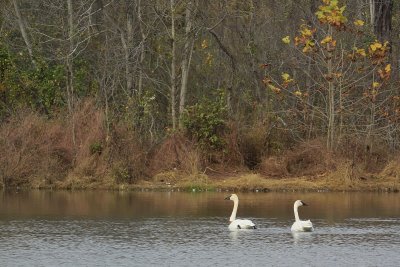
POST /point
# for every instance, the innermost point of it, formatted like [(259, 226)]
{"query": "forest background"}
[(255, 94)]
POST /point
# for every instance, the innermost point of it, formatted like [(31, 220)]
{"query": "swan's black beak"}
[(304, 204), (228, 198)]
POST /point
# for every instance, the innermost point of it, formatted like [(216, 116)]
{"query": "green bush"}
[(205, 121), (24, 85)]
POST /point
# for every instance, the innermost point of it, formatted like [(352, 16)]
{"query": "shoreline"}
[(242, 183)]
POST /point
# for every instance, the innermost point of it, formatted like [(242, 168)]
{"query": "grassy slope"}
[(175, 180), (255, 182)]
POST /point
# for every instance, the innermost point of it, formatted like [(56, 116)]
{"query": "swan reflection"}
[(239, 234), (301, 237)]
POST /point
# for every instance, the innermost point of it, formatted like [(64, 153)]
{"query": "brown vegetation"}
[(40, 153), (33, 152), (176, 153), (244, 95), (307, 159)]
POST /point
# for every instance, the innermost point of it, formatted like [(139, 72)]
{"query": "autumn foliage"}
[(119, 94), (339, 78)]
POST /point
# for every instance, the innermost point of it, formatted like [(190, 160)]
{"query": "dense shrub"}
[(205, 121)]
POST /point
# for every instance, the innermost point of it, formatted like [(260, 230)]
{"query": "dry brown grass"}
[(335, 181), (392, 169), (127, 156), (252, 144), (167, 178), (32, 151), (307, 159), (233, 155), (101, 160), (40, 153), (176, 153), (257, 182), (370, 159), (89, 129), (273, 166)]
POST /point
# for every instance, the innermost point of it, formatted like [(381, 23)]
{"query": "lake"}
[(100, 228)]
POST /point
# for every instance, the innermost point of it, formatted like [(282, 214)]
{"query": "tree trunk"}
[(142, 49), (23, 31), (70, 69), (341, 105), (124, 43), (331, 101), (188, 48), (382, 19), (372, 12), (129, 39), (173, 67)]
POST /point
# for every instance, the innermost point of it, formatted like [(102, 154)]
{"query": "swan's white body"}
[(236, 224), (299, 225)]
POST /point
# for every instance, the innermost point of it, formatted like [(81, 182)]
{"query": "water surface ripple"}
[(191, 230)]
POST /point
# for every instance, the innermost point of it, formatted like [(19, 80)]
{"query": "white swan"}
[(298, 225), (236, 224)]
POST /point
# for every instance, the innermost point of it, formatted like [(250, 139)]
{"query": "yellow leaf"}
[(274, 89), (375, 85), (375, 46), (310, 43), (209, 59), (286, 39), (359, 22), (308, 47), (298, 93), (388, 68), (306, 32), (285, 76), (327, 39), (361, 52), (204, 44)]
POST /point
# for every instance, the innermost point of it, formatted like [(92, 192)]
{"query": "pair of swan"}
[(298, 225)]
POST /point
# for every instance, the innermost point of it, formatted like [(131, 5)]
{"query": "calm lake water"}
[(191, 229)]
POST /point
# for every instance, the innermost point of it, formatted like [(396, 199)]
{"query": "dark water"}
[(190, 229)]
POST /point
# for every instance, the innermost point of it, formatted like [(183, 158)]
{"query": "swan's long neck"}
[(234, 211), (296, 213)]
